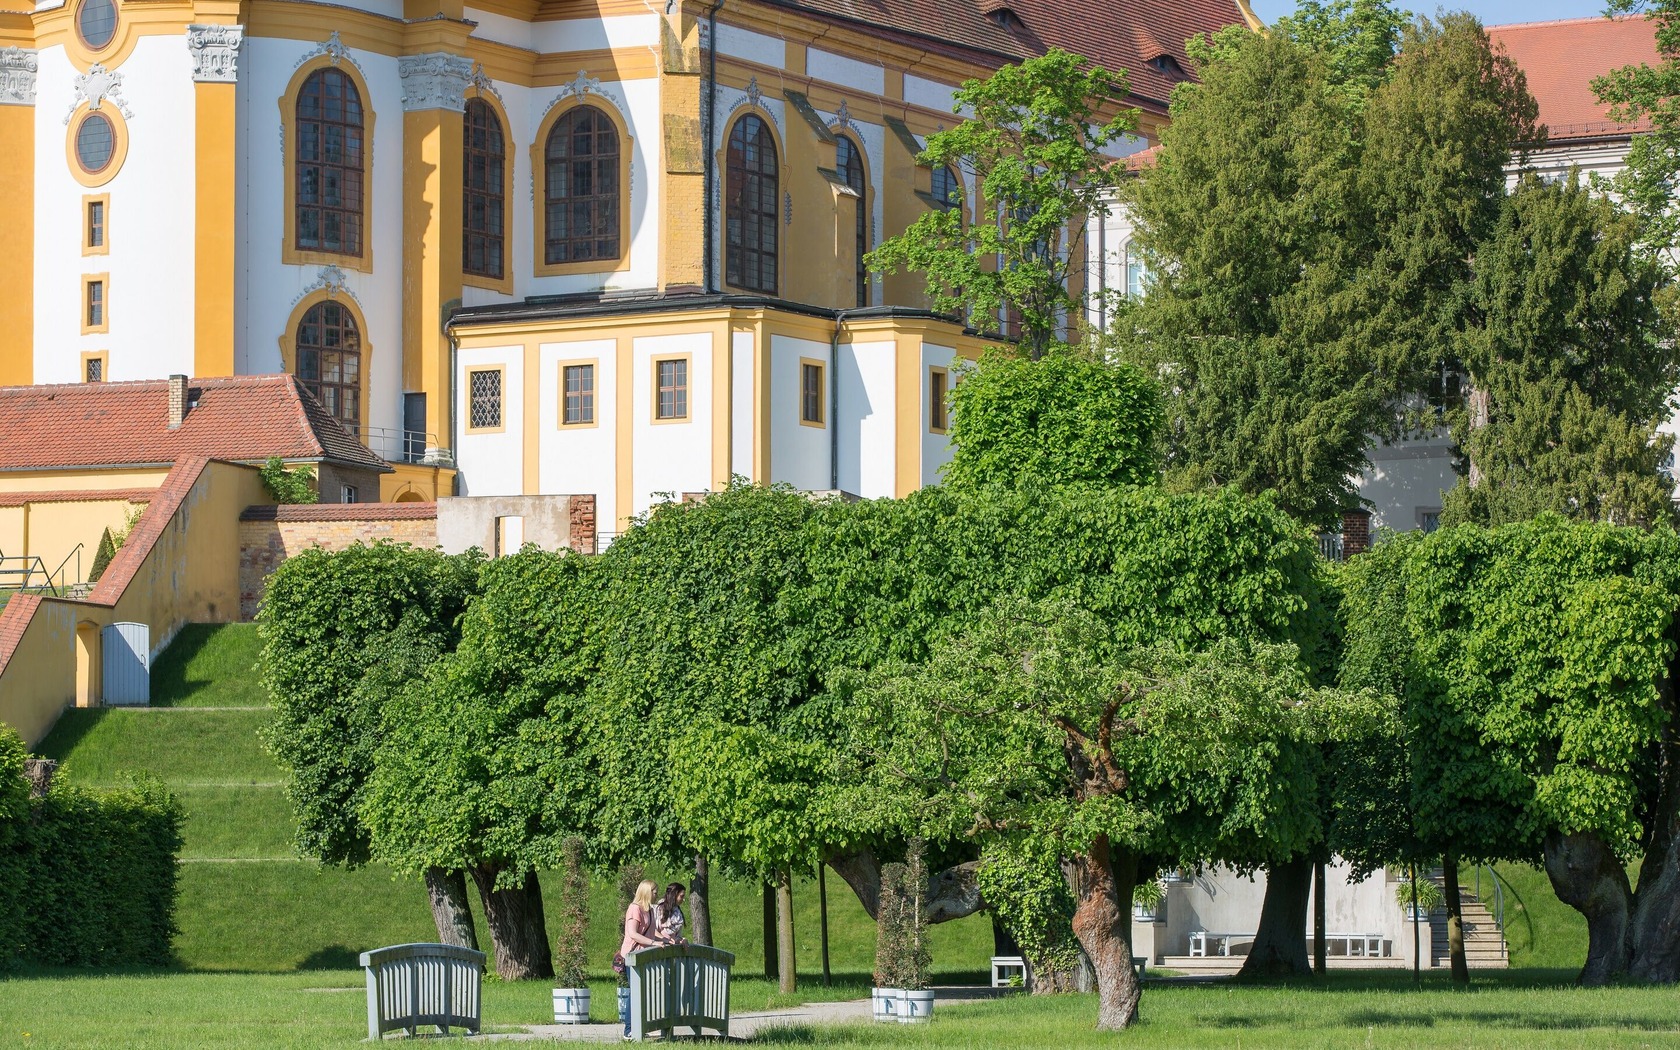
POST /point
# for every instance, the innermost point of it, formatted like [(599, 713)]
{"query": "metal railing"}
[(1498, 900), (394, 445), (1330, 546), (18, 572)]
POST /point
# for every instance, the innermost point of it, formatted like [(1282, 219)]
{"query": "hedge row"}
[(87, 878)]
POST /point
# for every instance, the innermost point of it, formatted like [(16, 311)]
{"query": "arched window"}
[(849, 160), (329, 360), (1137, 273), (329, 164), (947, 190), (483, 207), (581, 191), (751, 196)]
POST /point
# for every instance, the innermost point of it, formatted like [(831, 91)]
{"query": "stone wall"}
[(270, 535), (551, 522)]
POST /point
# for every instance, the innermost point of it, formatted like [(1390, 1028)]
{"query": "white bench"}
[(1353, 945), (410, 985), (683, 985), (1007, 969), (1199, 942)]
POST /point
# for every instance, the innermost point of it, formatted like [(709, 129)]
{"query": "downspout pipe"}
[(709, 161), (834, 401)]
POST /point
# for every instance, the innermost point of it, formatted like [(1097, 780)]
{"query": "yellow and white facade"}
[(214, 187)]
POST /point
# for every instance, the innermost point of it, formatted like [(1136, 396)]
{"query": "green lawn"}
[(210, 665), (184, 747), (326, 1009)]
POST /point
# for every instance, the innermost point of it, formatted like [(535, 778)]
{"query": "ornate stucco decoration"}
[(17, 76), (335, 51), (330, 279), (96, 87), (843, 118), (484, 85), (582, 85), (787, 208), (435, 81), (754, 97), (215, 52)]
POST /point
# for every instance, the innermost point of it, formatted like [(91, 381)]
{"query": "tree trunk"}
[(515, 919), (1103, 925), (446, 888), (952, 894), (772, 970), (1656, 907), (39, 772), (1587, 876), (700, 903), (1320, 950), (1455, 921), (822, 911), (787, 978), (1280, 942)]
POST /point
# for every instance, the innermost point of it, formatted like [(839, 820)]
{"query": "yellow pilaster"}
[(682, 153), (17, 245), (431, 255), (214, 262), (723, 372), (908, 395)]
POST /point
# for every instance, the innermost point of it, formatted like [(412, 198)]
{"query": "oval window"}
[(96, 21), (96, 140)]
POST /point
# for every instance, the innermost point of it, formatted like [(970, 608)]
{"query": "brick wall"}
[(270, 535), (583, 524), (1356, 532)]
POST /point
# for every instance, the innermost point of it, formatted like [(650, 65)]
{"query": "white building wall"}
[(799, 454), (919, 91), (579, 460), (845, 72), (150, 223), (743, 418), (492, 464), (670, 457), (936, 448), (272, 289), (754, 47), (1407, 479), (868, 446)]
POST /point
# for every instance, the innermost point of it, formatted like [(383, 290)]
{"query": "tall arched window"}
[(581, 191), (329, 164), (947, 190), (329, 360), (483, 207), (751, 196), (849, 160)]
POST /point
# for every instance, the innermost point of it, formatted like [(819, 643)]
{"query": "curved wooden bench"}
[(682, 985), (410, 985)]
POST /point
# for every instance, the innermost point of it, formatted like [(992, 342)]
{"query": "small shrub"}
[(1148, 894), (102, 556), (889, 928), (1428, 895), (570, 958), (296, 485)]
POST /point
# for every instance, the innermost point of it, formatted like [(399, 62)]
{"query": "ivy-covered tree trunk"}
[(700, 902), (1587, 876), (1455, 921), (517, 930), (786, 974), (1656, 907), (1280, 942), (1106, 876), (446, 889)]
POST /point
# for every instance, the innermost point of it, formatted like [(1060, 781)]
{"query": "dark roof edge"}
[(558, 307)]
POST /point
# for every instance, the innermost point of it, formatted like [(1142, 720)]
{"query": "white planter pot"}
[(883, 1003), (571, 1006), (1142, 913), (915, 1007)]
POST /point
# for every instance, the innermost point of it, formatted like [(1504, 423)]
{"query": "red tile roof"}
[(241, 418), (1117, 34), (20, 499), (14, 620), (341, 512), (153, 521), (1561, 59)]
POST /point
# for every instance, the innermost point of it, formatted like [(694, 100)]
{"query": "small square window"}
[(578, 394), (811, 393), (1429, 519), (939, 386), (484, 390), (93, 368), (349, 494), (671, 393)]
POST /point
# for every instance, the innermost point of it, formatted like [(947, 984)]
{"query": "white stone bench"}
[(1353, 945), (1199, 942), (679, 986), (1008, 968), (411, 985)]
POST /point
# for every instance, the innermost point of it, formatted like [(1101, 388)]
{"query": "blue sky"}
[(1491, 12)]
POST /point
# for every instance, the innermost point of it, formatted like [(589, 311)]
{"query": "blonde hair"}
[(644, 894)]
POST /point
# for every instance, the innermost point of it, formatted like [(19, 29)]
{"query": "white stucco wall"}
[(868, 447), (580, 460), (844, 71), (920, 91), (1405, 479), (752, 46), (670, 457), (492, 464), (936, 448), (150, 225), (799, 453)]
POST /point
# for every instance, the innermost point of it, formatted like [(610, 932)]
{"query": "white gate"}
[(127, 663)]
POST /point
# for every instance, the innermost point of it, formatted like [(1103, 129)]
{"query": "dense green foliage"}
[(1311, 218), (1570, 364), (1068, 417), (328, 620), (102, 556), (1032, 140), (295, 485), (1650, 92), (87, 877)]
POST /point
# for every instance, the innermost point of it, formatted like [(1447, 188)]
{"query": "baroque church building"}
[(522, 246)]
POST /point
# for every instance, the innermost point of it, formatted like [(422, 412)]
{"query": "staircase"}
[(1484, 941)]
